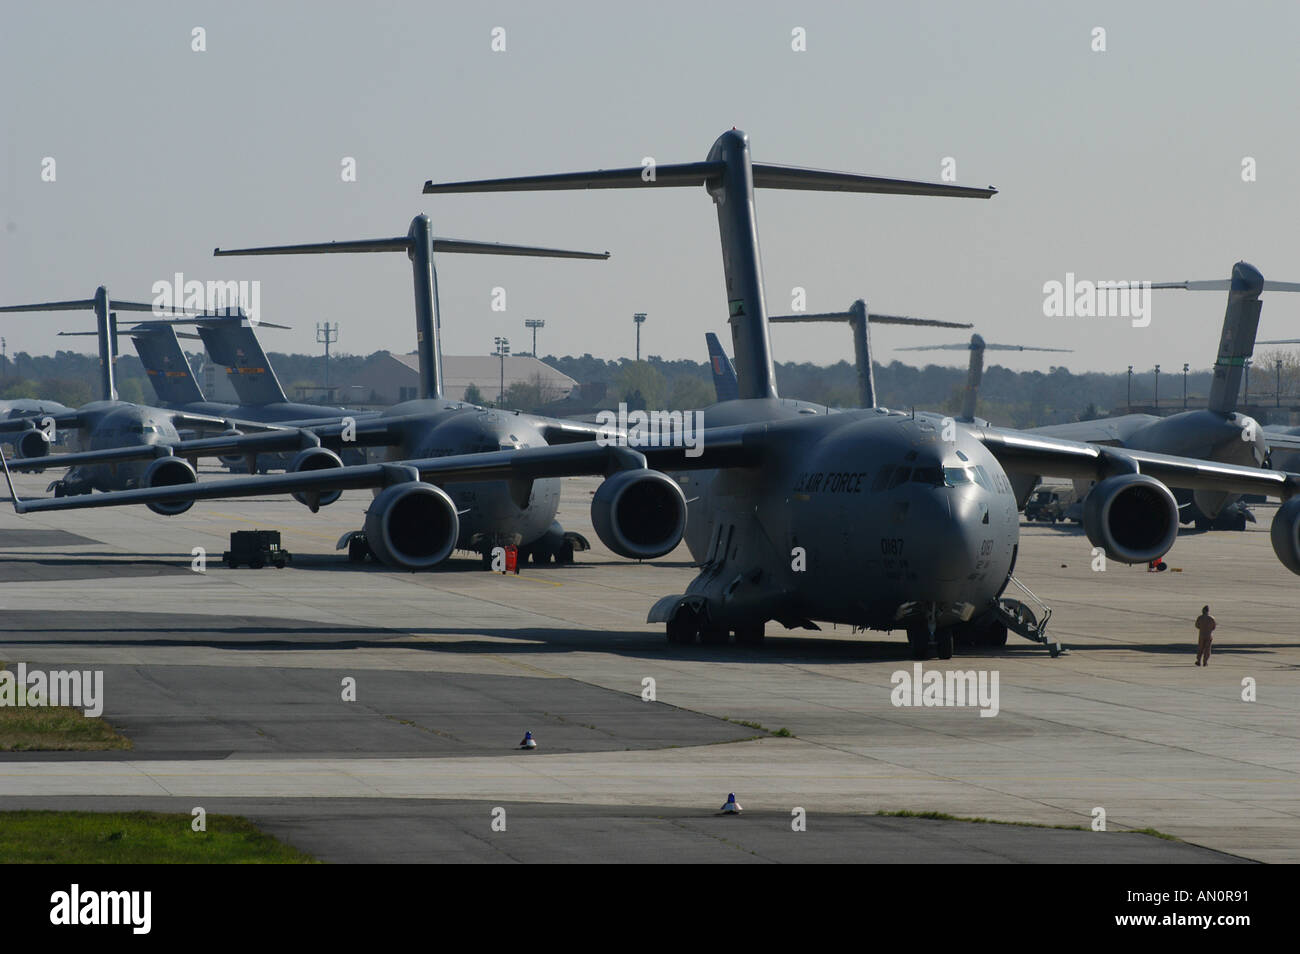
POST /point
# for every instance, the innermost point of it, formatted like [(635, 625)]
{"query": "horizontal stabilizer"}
[(873, 318), (398, 244), (967, 346), (1225, 284), (84, 303), (403, 244), (766, 176), (679, 174), (770, 176)]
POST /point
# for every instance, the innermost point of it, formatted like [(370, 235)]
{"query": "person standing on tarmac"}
[(1205, 626)]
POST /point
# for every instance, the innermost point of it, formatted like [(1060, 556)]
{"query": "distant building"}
[(392, 378)]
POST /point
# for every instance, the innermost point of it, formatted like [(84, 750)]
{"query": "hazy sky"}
[(1123, 164)]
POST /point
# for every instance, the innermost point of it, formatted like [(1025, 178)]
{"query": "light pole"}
[(1184, 385), (639, 320), (503, 349), (534, 323), (1277, 397), (1157, 389), (1129, 402), (1245, 399), (327, 336)]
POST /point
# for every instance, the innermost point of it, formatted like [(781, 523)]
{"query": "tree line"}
[(1013, 398)]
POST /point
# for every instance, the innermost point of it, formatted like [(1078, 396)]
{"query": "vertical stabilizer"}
[(1237, 341), (233, 343), (858, 321), (974, 375), (165, 363), (742, 269), (724, 373)]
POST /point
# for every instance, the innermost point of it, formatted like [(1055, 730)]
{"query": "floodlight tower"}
[(639, 320), (503, 349), (534, 323), (327, 335)]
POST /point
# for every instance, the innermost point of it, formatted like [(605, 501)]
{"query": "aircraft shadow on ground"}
[(315, 637)]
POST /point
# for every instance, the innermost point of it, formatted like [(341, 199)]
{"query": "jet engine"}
[(30, 444), (232, 460), (315, 458), (1286, 534), (412, 526), (168, 472), (639, 514), (1134, 518)]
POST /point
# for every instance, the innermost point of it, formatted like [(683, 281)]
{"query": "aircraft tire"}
[(683, 628), (751, 635), (714, 635), (918, 637), (943, 647)]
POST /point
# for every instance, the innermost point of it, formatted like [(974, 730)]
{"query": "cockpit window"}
[(882, 478), (956, 476), (982, 478)]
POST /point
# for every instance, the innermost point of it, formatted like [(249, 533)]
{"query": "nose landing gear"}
[(926, 638)]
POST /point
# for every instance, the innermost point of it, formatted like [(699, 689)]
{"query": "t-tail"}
[(419, 243), (724, 372), (1240, 323), (975, 370), (859, 319), (104, 307), (730, 177)]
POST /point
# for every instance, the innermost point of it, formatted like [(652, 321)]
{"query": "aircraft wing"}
[(1046, 456), (531, 463), (1286, 442), (62, 422), (200, 422), (1106, 430), (273, 439)]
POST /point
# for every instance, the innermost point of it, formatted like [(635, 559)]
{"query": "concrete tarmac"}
[(229, 681)]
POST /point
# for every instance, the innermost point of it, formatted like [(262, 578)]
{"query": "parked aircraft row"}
[(867, 517)]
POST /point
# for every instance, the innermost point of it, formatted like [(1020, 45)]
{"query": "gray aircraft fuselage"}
[(493, 513), (113, 424), (1232, 438), (891, 519)]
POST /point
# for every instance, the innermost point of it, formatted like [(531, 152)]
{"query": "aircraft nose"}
[(947, 527)]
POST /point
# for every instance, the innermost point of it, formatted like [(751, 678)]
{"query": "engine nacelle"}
[(315, 458), (169, 472), (1134, 518), (1286, 534), (639, 514), (412, 526), (231, 460), (31, 444)]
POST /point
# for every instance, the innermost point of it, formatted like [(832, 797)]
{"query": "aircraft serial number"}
[(832, 483)]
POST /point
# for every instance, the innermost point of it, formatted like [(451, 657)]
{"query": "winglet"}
[(13, 494)]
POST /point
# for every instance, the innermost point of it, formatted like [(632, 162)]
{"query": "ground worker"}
[(1205, 625)]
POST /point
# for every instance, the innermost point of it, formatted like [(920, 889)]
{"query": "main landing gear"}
[(687, 626)]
